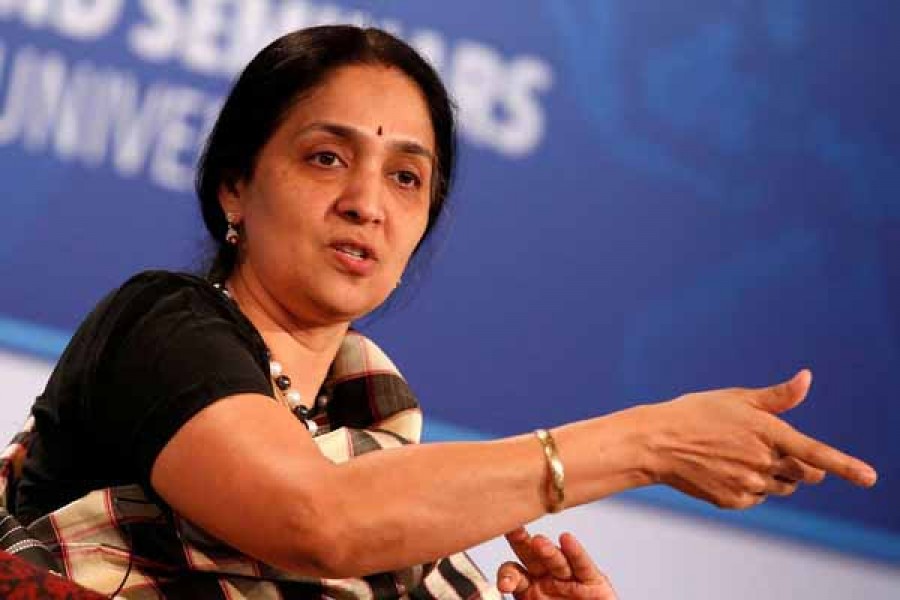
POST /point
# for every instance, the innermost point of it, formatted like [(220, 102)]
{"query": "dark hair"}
[(279, 76)]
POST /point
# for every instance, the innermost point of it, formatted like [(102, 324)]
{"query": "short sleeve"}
[(180, 356)]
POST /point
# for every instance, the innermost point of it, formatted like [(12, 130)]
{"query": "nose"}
[(361, 201)]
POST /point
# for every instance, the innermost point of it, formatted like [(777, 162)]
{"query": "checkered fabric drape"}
[(118, 541)]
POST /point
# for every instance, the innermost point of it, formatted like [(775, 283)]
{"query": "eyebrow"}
[(348, 132)]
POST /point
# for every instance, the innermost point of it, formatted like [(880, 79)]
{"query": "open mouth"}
[(352, 251)]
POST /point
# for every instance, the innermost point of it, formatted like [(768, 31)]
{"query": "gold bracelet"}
[(556, 485)]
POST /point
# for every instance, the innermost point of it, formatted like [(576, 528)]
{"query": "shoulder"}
[(167, 305), (155, 310), (153, 296), (151, 287)]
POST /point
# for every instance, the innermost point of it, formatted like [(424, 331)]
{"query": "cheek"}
[(278, 234), (275, 198), (282, 209)]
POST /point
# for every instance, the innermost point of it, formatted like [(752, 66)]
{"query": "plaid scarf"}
[(121, 543)]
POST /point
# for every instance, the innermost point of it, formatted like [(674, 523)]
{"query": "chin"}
[(353, 305)]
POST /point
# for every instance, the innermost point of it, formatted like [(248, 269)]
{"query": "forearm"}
[(289, 505), (415, 504)]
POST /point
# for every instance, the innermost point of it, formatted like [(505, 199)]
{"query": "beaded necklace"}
[(281, 383)]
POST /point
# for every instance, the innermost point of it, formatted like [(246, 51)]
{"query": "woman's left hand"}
[(549, 571)]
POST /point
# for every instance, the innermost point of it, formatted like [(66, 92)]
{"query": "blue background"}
[(714, 203)]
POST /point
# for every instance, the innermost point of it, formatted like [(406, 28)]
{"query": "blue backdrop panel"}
[(653, 198)]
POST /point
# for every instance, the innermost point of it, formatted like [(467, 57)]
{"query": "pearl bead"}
[(283, 382), (293, 397)]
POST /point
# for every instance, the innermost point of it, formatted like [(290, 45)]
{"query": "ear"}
[(232, 195)]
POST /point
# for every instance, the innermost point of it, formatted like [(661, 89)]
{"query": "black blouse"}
[(149, 357)]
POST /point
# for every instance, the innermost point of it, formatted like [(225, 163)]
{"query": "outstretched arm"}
[(289, 506)]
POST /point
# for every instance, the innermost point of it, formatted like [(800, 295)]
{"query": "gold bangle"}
[(556, 485)]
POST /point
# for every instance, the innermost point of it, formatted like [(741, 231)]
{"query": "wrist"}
[(607, 455), (556, 479), (645, 441)]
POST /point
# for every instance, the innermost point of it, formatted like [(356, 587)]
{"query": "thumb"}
[(512, 579), (784, 396)]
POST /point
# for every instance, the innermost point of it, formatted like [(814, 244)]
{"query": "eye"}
[(326, 159), (407, 179)]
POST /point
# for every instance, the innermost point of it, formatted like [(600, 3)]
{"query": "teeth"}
[(358, 253)]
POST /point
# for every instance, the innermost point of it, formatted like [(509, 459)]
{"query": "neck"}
[(305, 350)]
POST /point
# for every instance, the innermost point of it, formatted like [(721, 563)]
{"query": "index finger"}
[(520, 541), (583, 567), (817, 454)]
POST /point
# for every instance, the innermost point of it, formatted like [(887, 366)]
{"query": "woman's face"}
[(340, 195)]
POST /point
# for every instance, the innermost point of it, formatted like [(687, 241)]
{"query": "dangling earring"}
[(231, 234)]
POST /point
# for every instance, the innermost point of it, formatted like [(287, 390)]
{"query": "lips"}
[(353, 251), (355, 257), (354, 248)]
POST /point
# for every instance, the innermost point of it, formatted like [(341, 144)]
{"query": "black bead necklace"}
[(282, 384)]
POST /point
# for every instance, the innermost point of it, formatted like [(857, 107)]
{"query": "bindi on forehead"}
[(380, 131)]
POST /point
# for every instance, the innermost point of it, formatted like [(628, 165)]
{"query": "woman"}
[(328, 167)]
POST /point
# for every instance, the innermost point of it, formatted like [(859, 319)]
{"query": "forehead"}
[(367, 97)]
